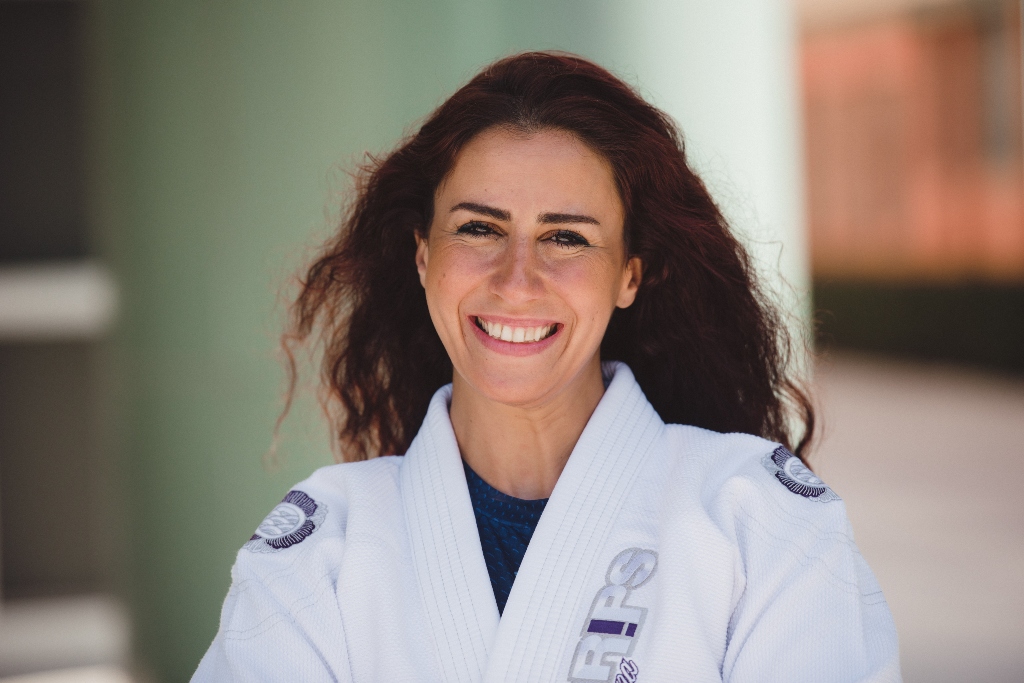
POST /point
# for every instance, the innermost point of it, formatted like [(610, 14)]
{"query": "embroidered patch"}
[(612, 626), (291, 522), (795, 476)]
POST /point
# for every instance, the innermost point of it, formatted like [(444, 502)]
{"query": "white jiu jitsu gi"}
[(665, 553)]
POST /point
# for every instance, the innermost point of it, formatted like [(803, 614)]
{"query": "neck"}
[(521, 450)]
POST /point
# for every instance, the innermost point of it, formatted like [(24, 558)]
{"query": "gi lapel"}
[(459, 602), (538, 626)]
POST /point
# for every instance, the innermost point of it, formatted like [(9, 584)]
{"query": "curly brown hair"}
[(702, 339)]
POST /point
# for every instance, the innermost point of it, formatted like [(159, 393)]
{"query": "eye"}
[(569, 239), (475, 228)]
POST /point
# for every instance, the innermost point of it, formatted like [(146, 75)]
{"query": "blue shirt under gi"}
[(506, 525)]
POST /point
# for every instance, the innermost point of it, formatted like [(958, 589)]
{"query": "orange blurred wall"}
[(914, 146)]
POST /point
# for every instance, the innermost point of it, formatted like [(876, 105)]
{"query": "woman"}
[(538, 303)]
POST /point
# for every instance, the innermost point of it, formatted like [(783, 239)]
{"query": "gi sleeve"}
[(261, 639), (811, 610)]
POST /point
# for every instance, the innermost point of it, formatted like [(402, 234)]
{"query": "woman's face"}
[(525, 262)]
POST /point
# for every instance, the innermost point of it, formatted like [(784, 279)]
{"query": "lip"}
[(511, 348)]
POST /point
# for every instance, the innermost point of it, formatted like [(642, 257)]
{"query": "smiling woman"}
[(564, 406)]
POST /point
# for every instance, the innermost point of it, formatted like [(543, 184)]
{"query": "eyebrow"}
[(499, 214), (549, 218), (545, 218)]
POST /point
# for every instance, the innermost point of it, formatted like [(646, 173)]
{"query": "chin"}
[(516, 386)]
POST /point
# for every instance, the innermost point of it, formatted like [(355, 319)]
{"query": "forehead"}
[(548, 170)]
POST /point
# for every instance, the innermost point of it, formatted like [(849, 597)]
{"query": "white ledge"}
[(56, 301), (82, 638)]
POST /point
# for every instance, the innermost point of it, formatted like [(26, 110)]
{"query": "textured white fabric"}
[(683, 540)]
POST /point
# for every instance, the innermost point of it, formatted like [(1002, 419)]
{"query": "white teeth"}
[(516, 335)]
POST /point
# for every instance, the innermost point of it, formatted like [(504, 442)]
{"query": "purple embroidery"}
[(611, 627), (603, 626), (628, 671), (292, 521), (795, 476)]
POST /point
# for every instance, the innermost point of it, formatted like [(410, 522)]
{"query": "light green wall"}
[(221, 135)]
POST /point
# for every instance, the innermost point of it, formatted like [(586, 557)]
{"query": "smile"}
[(515, 335)]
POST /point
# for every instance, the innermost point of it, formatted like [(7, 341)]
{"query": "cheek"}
[(452, 276), (589, 286)]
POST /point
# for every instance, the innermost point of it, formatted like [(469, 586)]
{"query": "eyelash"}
[(563, 238), (569, 239), (475, 229)]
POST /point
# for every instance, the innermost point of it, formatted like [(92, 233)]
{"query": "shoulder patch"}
[(292, 521), (795, 476)]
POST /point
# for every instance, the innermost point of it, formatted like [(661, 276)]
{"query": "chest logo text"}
[(611, 629)]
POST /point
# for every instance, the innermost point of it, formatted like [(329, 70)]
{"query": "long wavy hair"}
[(703, 340)]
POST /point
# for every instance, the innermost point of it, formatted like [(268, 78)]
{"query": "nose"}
[(516, 278)]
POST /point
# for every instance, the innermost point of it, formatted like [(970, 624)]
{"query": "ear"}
[(630, 282), (422, 255)]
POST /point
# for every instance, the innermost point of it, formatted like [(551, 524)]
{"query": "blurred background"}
[(166, 168)]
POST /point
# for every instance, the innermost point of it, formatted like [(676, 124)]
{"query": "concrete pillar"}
[(728, 73)]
